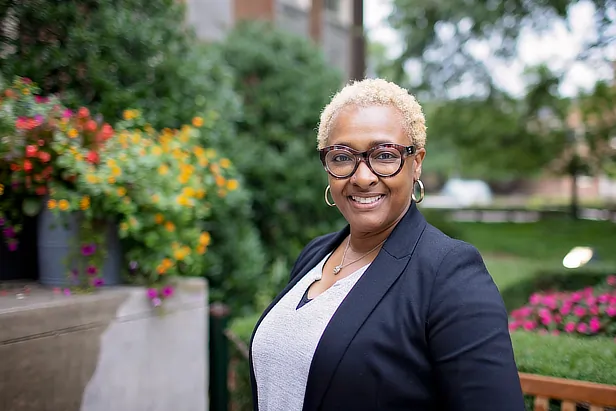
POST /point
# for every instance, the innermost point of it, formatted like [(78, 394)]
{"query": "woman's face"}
[(361, 128)]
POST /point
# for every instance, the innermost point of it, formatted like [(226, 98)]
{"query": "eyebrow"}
[(371, 144)]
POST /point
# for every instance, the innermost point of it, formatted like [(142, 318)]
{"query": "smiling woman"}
[(388, 313)]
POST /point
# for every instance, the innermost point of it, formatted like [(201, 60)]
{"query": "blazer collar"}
[(360, 302)]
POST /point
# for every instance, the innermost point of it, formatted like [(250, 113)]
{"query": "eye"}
[(341, 157)]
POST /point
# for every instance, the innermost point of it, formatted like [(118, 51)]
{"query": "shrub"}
[(518, 294), (284, 82), (588, 312), (109, 55)]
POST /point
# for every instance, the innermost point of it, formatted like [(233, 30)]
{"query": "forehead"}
[(363, 127)]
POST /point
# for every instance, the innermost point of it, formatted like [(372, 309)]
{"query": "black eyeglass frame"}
[(364, 156)]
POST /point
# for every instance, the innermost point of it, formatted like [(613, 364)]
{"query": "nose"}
[(363, 176)]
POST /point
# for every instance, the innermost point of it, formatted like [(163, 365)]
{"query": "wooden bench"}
[(597, 397)]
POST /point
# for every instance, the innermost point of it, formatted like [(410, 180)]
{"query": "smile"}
[(366, 200)]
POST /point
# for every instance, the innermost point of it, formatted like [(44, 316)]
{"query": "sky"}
[(556, 47)]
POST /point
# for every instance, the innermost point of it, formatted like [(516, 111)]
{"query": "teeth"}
[(366, 200)]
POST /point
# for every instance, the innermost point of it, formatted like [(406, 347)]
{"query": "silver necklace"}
[(340, 266)]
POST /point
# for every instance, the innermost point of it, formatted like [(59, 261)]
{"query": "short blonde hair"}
[(371, 92)]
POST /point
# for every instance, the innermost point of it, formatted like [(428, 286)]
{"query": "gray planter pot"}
[(54, 244)]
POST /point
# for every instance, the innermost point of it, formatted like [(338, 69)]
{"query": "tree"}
[(111, 55), (484, 126)]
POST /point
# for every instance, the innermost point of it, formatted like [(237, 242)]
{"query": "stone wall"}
[(104, 351)]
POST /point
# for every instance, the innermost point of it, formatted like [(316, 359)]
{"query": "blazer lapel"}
[(360, 302)]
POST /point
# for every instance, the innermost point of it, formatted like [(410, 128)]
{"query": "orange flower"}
[(169, 226), (220, 181), (159, 218), (63, 205), (232, 185), (197, 122), (51, 204)]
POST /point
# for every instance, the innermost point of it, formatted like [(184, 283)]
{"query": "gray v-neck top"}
[(286, 339)]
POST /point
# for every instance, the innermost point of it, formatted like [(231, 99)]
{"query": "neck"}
[(362, 241)]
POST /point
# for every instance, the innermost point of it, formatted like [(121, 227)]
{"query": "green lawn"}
[(514, 252)]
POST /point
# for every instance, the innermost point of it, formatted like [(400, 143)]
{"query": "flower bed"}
[(589, 312), (157, 187)]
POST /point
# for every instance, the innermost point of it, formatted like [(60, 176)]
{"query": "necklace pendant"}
[(337, 269)]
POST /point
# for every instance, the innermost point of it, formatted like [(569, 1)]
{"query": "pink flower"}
[(582, 328), (570, 327), (595, 324), (152, 293), (167, 291), (611, 311), (603, 298), (67, 292), (594, 310), (555, 332), (565, 309), (92, 270), (98, 282), (575, 297), (579, 311), (535, 299), (546, 320), (529, 325), (550, 301), (611, 280)]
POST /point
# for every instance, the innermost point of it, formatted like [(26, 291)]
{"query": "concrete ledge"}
[(105, 351)]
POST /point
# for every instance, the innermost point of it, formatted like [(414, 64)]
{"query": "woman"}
[(389, 313)]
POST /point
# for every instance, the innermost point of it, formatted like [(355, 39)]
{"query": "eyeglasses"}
[(384, 160)]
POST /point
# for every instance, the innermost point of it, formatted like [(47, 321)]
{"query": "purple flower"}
[(97, 282), (2, 221), (39, 119), (133, 265), (9, 232), (88, 250), (92, 270), (152, 293), (156, 302), (67, 114), (67, 292), (13, 246), (167, 291)]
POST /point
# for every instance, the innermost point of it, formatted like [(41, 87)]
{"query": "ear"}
[(417, 162)]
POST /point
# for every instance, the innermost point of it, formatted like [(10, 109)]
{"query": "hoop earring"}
[(421, 192), (328, 189)]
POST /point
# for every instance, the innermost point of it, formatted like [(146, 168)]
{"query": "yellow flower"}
[(124, 227), (72, 133), (220, 181), (215, 168), (180, 254), (225, 163), (163, 170), (26, 92), (232, 185), (169, 226), (205, 238), (78, 157), (197, 122), (111, 163), (91, 178), (148, 129), (136, 138), (188, 191), (130, 114), (203, 162), (210, 153), (116, 171), (159, 218), (51, 204), (200, 193), (157, 151), (121, 191), (63, 205), (111, 180), (84, 204), (201, 249)]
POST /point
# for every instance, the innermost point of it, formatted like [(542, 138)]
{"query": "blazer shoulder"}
[(437, 246)]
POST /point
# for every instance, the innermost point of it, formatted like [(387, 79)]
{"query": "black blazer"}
[(424, 329)]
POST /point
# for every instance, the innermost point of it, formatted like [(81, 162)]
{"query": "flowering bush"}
[(157, 187), (591, 311), (30, 125)]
